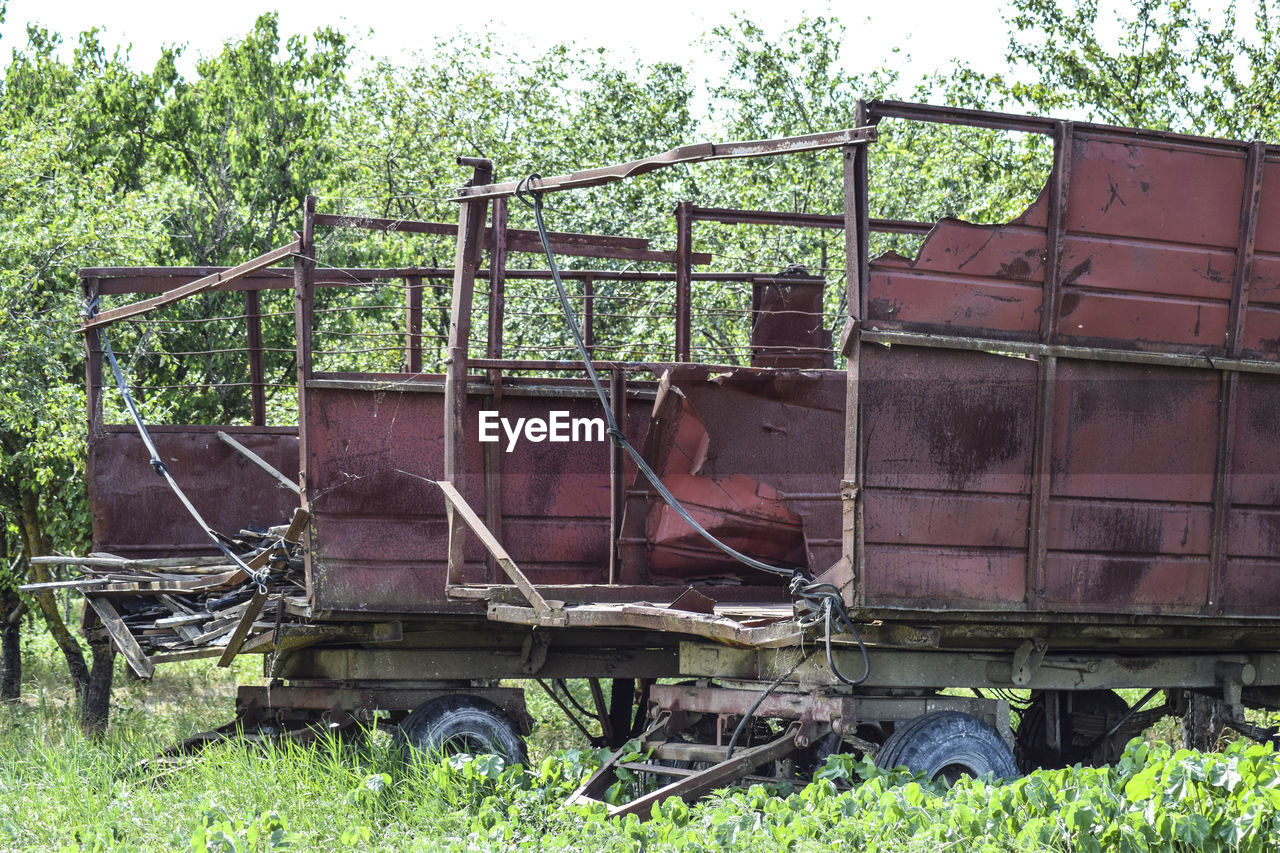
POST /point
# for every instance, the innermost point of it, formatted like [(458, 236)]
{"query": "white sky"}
[(930, 32)]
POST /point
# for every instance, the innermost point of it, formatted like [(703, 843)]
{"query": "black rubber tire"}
[(947, 745), (450, 725)]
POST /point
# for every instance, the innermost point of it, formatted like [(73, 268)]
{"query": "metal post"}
[(856, 249), (253, 337), (471, 218), (684, 278), (304, 283), (413, 324)]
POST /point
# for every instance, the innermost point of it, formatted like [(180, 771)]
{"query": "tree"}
[(58, 218), (1171, 68)]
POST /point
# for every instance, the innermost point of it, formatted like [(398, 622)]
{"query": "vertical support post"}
[(413, 324), (1047, 376), (92, 364), (1249, 207), (857, 278), (617, 469), (1219, 547), (589, 315), (1056, 232), (493, 349), (1041, 480), (253, 339), (471, 216), (497, 280), (93, 392), (684, 278), (304, 284)]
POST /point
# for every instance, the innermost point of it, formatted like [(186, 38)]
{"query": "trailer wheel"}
[(947, 745), (452, 725)]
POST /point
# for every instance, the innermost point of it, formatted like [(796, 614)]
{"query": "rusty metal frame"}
[(697, 153)]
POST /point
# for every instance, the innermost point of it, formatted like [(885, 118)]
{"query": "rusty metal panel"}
[(1149, 254), (780, 429), (380, 531), (948, 445), (1134, 432), (135, 514), (947, 420), (1107, 583), (968, 279), (1155, 190), (1251, 576)]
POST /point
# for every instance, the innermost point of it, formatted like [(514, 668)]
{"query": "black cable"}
[(523, 193), (751, 712)]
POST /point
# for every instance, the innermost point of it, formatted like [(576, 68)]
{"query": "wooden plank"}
[(259, 461), (293, 535), (186, 654), (120, 635), (109, 561), (87, 583), (500, 555), (216, 281), (242, 630)]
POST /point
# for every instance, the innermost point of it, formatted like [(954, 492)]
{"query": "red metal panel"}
[(952, 305), (967, 279), (380, 528), (1128, 527), (1251, 587), (1134, 432), (1268, 237), (944, 578), (1147, 267), (781, 430), (1264, 286), (135, 514), (1261, 336), (1141, 322), (1255, 479), (1255, 532), (947, 420), (951, 518), (1109, 583), (1155, 190)]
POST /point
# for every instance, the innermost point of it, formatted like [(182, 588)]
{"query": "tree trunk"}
[(36, 541), (95, 703), (11, 611)]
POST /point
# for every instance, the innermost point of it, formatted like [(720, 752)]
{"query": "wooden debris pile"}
[(158, 610)]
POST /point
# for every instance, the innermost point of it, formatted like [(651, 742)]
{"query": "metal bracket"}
[(1026, 660)]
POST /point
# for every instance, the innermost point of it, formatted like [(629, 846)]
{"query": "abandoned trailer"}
[(1035, 462)]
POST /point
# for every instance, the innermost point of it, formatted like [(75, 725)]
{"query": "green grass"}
[(59, 791)]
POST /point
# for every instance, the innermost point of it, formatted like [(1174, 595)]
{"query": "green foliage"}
[(1171, 67), (58, 791)]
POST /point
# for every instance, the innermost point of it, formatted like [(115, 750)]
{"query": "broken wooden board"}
[(242, 629), (120, 636)]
